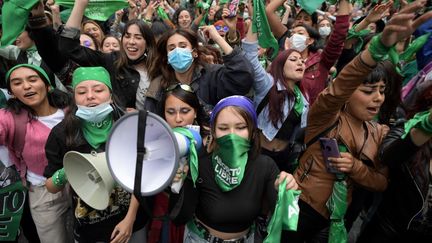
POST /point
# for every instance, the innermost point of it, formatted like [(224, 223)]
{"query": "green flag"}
[(14, 19), (13, 196), (285, 215), (310, 5), (99, 10), (261, 26)]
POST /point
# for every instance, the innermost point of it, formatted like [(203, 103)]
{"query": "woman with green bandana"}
[(36, 107), (348, 106), (227, 190), (85, 129), (405, 213), (282, 109)]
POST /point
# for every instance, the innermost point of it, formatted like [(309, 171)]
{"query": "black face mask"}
[(142, 58)]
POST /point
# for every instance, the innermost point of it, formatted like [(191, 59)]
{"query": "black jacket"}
[(409, 182), (124, 81)]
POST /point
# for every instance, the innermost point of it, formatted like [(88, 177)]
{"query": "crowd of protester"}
[(273, 87)]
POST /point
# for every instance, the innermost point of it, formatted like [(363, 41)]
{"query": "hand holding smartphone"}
[(329, 148), (232, 7)]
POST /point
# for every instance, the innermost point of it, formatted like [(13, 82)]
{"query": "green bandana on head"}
[(39, 70), (91, 73), (229, 161)]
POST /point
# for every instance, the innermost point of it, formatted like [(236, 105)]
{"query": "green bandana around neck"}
[(193, 157), (229, 161), (298, 105), (97, 133)]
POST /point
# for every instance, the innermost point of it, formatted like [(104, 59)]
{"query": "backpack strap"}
[(321, 134), (20, 121), (263, 103)]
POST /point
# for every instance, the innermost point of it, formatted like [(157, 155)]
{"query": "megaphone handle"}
[(176, 186), (142, 122)]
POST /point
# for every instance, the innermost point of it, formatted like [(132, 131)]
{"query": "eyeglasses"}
[(184, 87), (224, 28)]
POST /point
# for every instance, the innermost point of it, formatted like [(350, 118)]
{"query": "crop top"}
[(235, 210)]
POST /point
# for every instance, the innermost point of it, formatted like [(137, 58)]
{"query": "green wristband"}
[(59, 178), (378, 51)]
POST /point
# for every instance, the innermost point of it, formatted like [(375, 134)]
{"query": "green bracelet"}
[(59, 178), (378, 51)]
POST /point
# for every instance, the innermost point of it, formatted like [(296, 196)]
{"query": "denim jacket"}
[(262, 84)]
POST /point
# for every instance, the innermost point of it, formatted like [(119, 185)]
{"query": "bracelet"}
[(364, 63), (378, 51), (59, 178)]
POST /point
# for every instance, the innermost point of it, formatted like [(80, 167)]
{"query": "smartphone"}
[(232, 7), (329, 148)]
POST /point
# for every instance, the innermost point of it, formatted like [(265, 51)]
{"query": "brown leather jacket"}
[(314, 181)]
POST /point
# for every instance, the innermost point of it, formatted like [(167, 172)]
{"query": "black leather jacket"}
[(409, 181)]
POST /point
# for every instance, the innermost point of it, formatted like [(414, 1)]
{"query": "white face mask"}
[(324, 31), (298, 42), (94, 114)]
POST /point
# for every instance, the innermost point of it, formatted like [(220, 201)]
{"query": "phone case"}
[(329, 148), (232, 7)]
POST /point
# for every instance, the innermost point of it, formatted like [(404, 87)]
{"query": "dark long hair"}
[(386, 71), (253, 132), (72, 123), (276, 98), (189, 98), (177, 13), (56, 98), (123, 61), (163, 68), (314, 34)]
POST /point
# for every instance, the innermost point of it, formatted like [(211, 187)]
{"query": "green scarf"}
[(14, 19), (97, 9), (310, 5), (337, 205), (409, 53), (359, 35), (97, 133), (229, 161), (193, 157), (421, 121), (261, 26), (299, 104), (285, 215)]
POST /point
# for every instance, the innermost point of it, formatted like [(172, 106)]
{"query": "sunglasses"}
[(224, 28), (184, 87)]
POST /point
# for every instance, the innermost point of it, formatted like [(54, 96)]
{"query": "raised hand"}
[(403, 24), (378, 12)]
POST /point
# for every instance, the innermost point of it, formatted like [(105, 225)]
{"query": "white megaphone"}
[(161, 158), (184, 150), (90, 177)]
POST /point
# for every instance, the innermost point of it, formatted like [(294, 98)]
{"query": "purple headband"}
[(235, 100)]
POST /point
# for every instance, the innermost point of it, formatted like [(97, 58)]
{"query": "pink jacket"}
[(34, 146), (318, 64)]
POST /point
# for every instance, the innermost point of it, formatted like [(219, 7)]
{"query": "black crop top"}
[(235, 210)]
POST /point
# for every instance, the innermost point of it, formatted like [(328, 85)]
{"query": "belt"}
[(213, 239)]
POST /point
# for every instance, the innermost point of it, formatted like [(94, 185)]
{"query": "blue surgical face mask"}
[(180, 59), (94, 114)]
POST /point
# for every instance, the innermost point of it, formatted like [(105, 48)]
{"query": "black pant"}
[(311, 227)]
